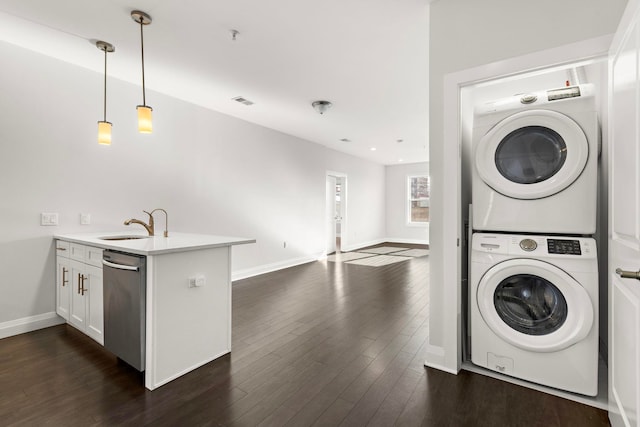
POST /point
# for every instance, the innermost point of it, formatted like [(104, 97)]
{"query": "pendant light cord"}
[(105, 84), (144, 99)]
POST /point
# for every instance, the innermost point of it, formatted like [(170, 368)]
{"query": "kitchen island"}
[(188, 296)]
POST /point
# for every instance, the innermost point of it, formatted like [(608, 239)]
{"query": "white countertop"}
[(156, 245)]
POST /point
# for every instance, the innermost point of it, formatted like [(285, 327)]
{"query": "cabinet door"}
[(94, 297), (63, 286), (77, 315)]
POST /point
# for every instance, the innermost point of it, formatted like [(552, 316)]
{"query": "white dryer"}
[(535, 162), (533, 303)]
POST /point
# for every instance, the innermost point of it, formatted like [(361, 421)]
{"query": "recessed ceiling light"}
[(242, 100), (400, 160), (373, 148)]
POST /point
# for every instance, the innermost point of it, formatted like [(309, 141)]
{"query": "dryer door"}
[(534, 305), (532, 154)]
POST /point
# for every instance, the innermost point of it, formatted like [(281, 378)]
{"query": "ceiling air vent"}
[(345, 140), (242, 100)]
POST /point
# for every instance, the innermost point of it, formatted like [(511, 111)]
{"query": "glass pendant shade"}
[(145, 124), (104, 133)]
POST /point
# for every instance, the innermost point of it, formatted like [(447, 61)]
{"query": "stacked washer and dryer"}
[(533, 288)]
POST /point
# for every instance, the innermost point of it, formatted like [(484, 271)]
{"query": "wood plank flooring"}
[(322, 344)]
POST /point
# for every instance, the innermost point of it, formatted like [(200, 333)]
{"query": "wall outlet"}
[(192, 282), (85, 219), (49, 218)]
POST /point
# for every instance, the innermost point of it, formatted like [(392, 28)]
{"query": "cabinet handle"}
[(61, 249), (83, 288), (64, 276), (79, 281)]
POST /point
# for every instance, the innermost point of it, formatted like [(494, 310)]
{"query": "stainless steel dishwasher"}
[(124, 278)]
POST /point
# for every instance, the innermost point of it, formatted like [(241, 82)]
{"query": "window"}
[(418, 198)]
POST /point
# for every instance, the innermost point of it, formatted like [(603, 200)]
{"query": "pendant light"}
[(104, 127), (144, 111)]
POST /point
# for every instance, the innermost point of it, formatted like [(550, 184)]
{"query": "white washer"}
[(533, 303), (535, 160)]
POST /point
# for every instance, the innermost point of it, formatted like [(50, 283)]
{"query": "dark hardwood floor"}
[(322, 344)]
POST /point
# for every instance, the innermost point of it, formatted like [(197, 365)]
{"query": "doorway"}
[(335, 212)]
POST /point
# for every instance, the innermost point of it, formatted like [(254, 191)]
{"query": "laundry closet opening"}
[(525, 149)]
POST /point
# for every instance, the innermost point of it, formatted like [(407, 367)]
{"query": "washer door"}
[(532, 154), (534, 305)]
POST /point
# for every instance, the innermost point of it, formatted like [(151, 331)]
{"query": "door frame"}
[(444, 349), (343, 206)]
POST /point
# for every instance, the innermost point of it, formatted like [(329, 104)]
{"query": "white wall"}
[(398, 229), (213, 173), (466, 34)]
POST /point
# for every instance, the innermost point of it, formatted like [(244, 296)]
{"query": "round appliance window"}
[(534, 305), (530, 304), (530, 154)]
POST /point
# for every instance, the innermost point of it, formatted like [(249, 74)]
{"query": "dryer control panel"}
[(564, 247)]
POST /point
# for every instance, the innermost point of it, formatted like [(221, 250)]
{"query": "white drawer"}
[(93, 256), (62, 248), (76, 251)]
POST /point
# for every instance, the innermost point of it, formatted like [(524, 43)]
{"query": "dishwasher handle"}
[(120, 266)]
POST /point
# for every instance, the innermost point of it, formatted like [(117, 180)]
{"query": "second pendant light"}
[(144, 111)]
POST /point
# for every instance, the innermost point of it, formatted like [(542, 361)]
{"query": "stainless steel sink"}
[(123, 237)]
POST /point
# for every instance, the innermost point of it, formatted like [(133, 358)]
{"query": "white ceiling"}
[(368, 57)]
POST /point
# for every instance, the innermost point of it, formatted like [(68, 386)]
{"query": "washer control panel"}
[(564, 247)]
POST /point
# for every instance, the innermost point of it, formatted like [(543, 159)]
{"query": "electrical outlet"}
[(49, 218), (192, 282), (200, 281)]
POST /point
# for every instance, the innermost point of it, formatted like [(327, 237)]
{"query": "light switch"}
[(85, 219), (200, 281), (49, 218)]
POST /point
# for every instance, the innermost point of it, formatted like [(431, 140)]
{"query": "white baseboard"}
[(408, 241), (29, 324), (357, 246), (268, 268)]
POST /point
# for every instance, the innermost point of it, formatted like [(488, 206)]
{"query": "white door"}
[(624, 222), (330, 214)]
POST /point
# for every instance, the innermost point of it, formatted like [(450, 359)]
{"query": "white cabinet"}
[(63, 281), (80, 299)]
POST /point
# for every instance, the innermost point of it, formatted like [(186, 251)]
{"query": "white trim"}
[(452, 223), (407, 241), (268, 268), (436, 359), (408, 199), (362, 245), (344, 205), (29, 324)]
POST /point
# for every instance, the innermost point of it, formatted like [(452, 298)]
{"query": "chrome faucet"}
[(150, 227)]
